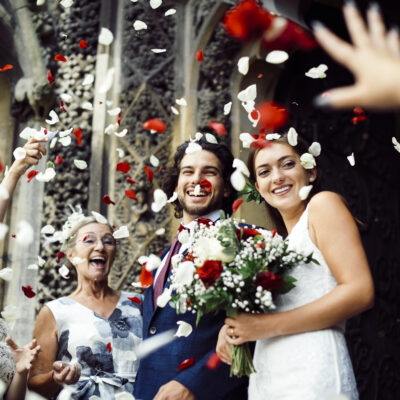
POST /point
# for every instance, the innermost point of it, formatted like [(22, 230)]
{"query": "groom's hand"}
[(174, 390)]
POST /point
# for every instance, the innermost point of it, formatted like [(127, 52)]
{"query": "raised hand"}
[(373, 58), (23, 356)]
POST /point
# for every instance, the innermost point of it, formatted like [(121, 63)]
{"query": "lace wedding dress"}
[(307, 366), (7, 367)]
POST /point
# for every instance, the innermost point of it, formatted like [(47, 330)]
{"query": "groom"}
[(159, 377)]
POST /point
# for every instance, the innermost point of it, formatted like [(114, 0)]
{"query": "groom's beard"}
[(197, 210)]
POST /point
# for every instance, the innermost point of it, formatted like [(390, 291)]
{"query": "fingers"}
[(11, 343), (376, 27), (393, 42), (349, 96), (355, 25), (60, 376)]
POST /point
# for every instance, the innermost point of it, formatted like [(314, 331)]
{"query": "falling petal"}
[(32, 267), (272, 136), (66, 3), (47, 230), (6, 67), (246, 140), (396, 144), (106, 200), (155, 4), (243, 65), (184, 329), (241, 166), (160, 200), (80, 164), (106, 86), (227, 108), (99, 218), (171, 11), (6, 274), (64, 272), (65, 141), (160, 231), (164, 298), (60, 57), (83, 44), (305, 191), (86, 105), (218, 127), (152, 344), (315, 149), (292, 136), (50, 77), (121, 233), (277, 57), (186, 364), (157, 51), (172, 198), (139, 25), (199, 55), (19, 153), (153, 262), (236, 204), (88, 80), (123, 395), (121, 153), (122, 133), (28, 291), (149, 173), (248, 94), (351, 159), (54, 118), (106, 37), (114, 112), (123, 167), (78, 134), (155, 124), (131, 194), (31, 174), (3, 229), (211, 138), (193, 148), (174, 110), (307, 161), (238, 180), (154, 161), (47, 176), (317, 72), (181, 102)]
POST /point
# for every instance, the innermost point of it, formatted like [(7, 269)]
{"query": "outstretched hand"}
[(373, 58), (23, 356)]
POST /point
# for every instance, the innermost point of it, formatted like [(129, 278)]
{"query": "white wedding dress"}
[(307, 366)]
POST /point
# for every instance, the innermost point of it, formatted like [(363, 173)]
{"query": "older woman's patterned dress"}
[(103, 347)]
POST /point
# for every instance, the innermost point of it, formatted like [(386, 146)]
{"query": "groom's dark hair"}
[(171, 175)]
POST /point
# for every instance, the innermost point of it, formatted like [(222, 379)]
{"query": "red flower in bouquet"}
[(248, 20), (245, 233), (209, 272), (269, 281)]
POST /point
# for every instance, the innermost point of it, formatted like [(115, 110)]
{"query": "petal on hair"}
[(193, 148), (315, 149)]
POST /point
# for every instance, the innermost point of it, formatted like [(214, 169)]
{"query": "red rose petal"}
[(28, 291), (59, 160), (272, 115), (60, 255), (149, 173), (358, 110), (109, 347), (1, 167), (199, 55), (207, 185), (186, 364), (50, 77), (123, 167), (107, 200), (134, 300), (146, 277), (32, 174), (254, 114), (218, 127), (357, 119), (236, 204), (62, 108), (130, 180), (60, 57), (13, 236), (213, 361), (119, 118), (78, 134), (260, 76), (6, 67), (131, 194), (83, 44), (274, 232), (159, 169), (155, 124)]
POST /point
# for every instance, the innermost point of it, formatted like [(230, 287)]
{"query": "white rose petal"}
[(238, 180), (6, 274), (184, 273), (66, 97), (211, 138), (305, 191), (243, 65), (106, 86), (142, 259), (315, 149), (66, 3), (153, 262), (157, 51), (33, 267), (123, 396), (40, 2), (88, 80), (139, 25), (86, 105), (152, 344), (106, 37), (273, 136), (184, 236), (64, 272), (248, 94), (47, 230), (27, 133), (254, 121), (155, 4), (78, 260), (184, 329), (54, 118), (351, 159), (174, 110), (396, 144), (111, 128), (227, 108), (19, 153), (80, 164), (154, 161), (197, 190), (47, 176), (122, 133), (246, 140), (66, 132), (10, 313), (99, 218), (181, 102), (160, 231), (277, 57), (164, 298), (121, 233), (65, 141), (160, 200), (121, 153), (241, 166), (193, 148), (4, 195), (292, 136), (172, 198), (171, 11), (3, 230), (25, 234), (114, 112), (317, 72), (198, 136), (41, 261), (307, 160)]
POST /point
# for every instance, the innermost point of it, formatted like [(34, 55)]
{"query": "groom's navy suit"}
[(161, 366)]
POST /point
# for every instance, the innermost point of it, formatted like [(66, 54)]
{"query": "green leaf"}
[(50, 164)]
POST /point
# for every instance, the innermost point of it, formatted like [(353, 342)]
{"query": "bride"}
[(301, 351)]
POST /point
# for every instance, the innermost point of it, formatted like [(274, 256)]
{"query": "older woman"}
[(301, 351), (88, 338)]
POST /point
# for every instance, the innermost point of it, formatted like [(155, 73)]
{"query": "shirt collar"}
[(213, 215)]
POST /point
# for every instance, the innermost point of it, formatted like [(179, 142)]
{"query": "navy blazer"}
[(161, 366)]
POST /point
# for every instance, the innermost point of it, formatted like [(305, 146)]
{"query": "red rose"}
[(269, 281), (209, 272), (245, 233)]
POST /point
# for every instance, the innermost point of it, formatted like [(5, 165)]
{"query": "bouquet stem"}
[(242, 361)]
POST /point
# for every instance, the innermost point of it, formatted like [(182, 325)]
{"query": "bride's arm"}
[(333, 230)]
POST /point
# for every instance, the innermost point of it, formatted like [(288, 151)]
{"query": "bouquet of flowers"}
[(233, 268)]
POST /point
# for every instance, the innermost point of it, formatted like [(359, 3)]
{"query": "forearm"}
[(9, 183), (17, 388), (44, 384)]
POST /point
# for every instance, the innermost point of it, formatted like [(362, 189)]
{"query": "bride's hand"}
[(224, 349)]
